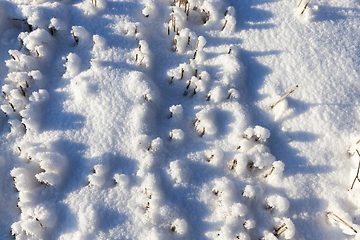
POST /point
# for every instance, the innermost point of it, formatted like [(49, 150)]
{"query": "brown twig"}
[(305, 6), (203, 132), (280, 229), (272, 106), (271, 171), (299, 3), (224, 25), (336, 218), (277, 229), (357, 173), (233, 165)]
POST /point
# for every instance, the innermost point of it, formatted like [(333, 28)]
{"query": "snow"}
[(157, 119)]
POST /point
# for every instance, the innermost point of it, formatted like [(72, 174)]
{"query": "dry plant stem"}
[(272, 169), (173, 22), (233, 164), (272, 106), (142, 60), (188, 85), (299, 3), (338, 219), (224, 25), (305, 6), (12, 106), (358, 142), (195, 89), (357, 173), (22, 91), (203, 132), (283, 225), (281, 231)]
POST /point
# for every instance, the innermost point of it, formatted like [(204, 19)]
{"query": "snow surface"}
[(155, 119)]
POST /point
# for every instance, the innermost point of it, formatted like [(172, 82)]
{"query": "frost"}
[(177, 135), (54, 166), (45, 216), (176, 112), (81, 36), (252, 192), (179, 172), (92, 7), (37, 42), (278, 202), (180, 226), (218, 94), (99, 43), (249, 224), (57, 24), (72, 65), (215, 156), (24, 178), (239, 210), (99, 176), (243, 236), (32, 113), (150, 10), (156, 144), (205, 123)]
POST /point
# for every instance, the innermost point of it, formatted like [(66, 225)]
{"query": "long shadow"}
[(77, 178), (306, 215), (328, 13), (255, 72), (60, 120), (109, 219), (182, 199), (250, 17)]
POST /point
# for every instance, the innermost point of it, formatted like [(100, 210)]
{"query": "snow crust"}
[(159, 119)]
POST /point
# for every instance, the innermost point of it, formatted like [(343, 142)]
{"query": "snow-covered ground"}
[(155, 119)]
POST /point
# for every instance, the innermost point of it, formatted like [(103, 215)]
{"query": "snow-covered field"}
[(155, 119)]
